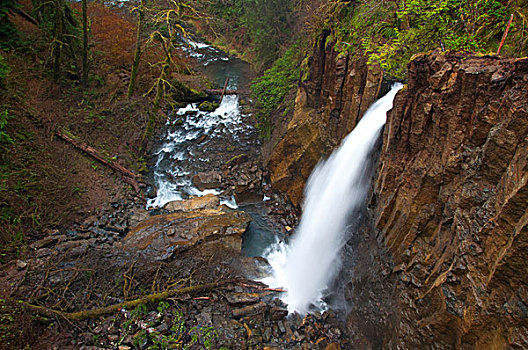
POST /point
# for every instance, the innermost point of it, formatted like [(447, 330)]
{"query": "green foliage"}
[(271, 89), (8, 33), (390, 33), (5, 138), (62, 30), (179, 335), (262, 27), (4, 69)]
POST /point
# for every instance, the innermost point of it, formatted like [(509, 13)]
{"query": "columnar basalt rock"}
[(330, 101), (451, 202)]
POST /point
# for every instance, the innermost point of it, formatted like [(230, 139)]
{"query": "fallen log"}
[(128, 176), (102, 311), (227, 92)]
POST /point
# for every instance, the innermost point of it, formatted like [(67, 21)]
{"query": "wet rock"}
[(21, 265), (278, 313), (137, 216), (282, 329), (243, 195), (207, 180), (250, 310), (453, 214), (205, 318), (112, 337), (209, 201)]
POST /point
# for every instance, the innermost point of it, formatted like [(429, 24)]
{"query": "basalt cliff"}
[(450, 202), (440, 259), (331, 98)]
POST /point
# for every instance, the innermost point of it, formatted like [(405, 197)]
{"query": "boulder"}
[(250, 310), (207, 180), (164, 233)]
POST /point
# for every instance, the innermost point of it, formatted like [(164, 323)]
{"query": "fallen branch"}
[(505, 35), (83, 315), (26, 16), (224, 90), (280, 290), (128, 176)]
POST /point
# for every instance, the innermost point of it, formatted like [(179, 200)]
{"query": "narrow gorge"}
[(272, 174), (440, 258)]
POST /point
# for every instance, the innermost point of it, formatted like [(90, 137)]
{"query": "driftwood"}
[(83, 315), (128, 176)]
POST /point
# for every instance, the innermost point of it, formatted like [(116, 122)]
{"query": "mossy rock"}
[(208, 106)]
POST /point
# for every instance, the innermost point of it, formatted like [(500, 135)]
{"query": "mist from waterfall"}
[(307, 266)]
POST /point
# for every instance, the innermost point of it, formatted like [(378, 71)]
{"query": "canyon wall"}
[(450, 202), (331, 98), (440, 257)]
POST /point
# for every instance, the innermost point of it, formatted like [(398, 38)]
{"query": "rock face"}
[(450, 203), (329, 103)]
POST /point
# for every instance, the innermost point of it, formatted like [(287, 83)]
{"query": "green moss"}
[(390, 34), (4, 69), (271, 89), (181, 92), (208, 106)]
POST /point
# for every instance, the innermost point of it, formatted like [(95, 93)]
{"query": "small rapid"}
[(309, 263), (188, 146)]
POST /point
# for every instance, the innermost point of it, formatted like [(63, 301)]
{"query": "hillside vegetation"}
[(390, 33)]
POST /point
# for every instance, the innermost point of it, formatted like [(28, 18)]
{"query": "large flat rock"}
[(161, 234)]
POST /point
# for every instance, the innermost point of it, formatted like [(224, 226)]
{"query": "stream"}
[(195, 142)]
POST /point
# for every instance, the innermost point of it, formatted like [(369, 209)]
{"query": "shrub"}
[(4, 69)]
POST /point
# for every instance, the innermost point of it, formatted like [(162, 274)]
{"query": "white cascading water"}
[(307, 266)]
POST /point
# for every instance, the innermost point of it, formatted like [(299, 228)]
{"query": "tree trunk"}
[(137, 55), (160, 90), (58, 38), (84, 78)]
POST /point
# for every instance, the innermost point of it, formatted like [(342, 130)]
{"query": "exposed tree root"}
[(83, 315)]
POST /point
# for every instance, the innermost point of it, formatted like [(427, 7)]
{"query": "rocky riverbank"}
[(126, 252)]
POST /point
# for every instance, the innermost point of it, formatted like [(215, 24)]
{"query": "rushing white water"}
[(336, 188)]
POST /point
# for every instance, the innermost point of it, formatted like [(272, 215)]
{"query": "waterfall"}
[(307, 266)]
